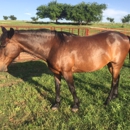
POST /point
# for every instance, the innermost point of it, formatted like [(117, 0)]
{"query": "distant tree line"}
[(110, 19), (83, 12), (35, 19), (125, 19), (80, 13), (11, 17)]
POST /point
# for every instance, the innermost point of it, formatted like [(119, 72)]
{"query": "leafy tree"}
[(12, 17), (86, 12), (34, 19), (42, 11), (76, 13), (110, 19), (126, 19), (5, 17), (54, 11), (80, 13), (94, 12)]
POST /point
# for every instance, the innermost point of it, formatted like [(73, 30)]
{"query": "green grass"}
[(27, 92), (120, 26), (24, 23), (93, 28)]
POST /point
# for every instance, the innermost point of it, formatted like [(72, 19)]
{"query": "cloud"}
[(112, 13), (28, 13)]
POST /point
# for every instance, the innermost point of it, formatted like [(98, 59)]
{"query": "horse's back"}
[(86, 54)]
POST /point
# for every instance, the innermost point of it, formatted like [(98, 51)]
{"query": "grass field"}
[(27, 92), (28, 23), (93, 28)]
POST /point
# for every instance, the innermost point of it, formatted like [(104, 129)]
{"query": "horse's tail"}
[(129, 47)]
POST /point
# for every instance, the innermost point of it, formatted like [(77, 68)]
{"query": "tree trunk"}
[(56, 20)]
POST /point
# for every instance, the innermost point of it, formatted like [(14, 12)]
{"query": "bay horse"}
[(66, 53)]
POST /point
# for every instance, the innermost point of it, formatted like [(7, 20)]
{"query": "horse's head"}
[(8, 50), (6, 36)]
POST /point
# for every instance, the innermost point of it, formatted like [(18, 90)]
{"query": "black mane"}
[(60, 34)]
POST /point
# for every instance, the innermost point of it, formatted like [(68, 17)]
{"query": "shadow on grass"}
[(93, 88), (27, 70), (128, 62), (93, 85), (126, 65), (59, 23)]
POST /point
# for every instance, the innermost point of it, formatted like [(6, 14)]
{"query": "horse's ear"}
[(11, 33), (3, 29)]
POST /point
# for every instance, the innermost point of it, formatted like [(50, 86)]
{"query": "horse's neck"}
[(39, 46)]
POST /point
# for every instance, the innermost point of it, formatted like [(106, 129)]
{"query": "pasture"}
[(27, 92), (93, 28)]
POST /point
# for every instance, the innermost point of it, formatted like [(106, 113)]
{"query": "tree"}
[(126, 19), (80, 13), (94, 12), (42, 12), (54, 11), (76, 13), (110, 19), (86, 12), (12, 17), (5, 17), (34, 19)]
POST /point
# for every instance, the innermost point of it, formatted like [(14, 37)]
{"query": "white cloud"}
[(112, 13), (28, 13)]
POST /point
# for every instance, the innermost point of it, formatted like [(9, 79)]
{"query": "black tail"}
[(129, 49)]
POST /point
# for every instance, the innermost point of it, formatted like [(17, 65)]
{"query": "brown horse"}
[(66, 53)]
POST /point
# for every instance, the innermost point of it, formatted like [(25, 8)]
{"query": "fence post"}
[(87, 32), (51, 28), (17, 28), (78, 31), (72, 30)]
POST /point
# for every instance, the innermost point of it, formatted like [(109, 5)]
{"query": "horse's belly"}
[(89, 66)]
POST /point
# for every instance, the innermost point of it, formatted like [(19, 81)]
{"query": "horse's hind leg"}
[(115, 91), (114, 70)]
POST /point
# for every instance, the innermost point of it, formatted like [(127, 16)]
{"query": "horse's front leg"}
[(57, 90), (69, 79)]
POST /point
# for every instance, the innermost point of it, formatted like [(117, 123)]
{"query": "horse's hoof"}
[(54, 108), (74, 109), (105, 104)]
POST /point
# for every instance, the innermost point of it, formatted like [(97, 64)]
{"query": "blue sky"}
[(25, 9)]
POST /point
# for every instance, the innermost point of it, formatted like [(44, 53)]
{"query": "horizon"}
[(24, 10)]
